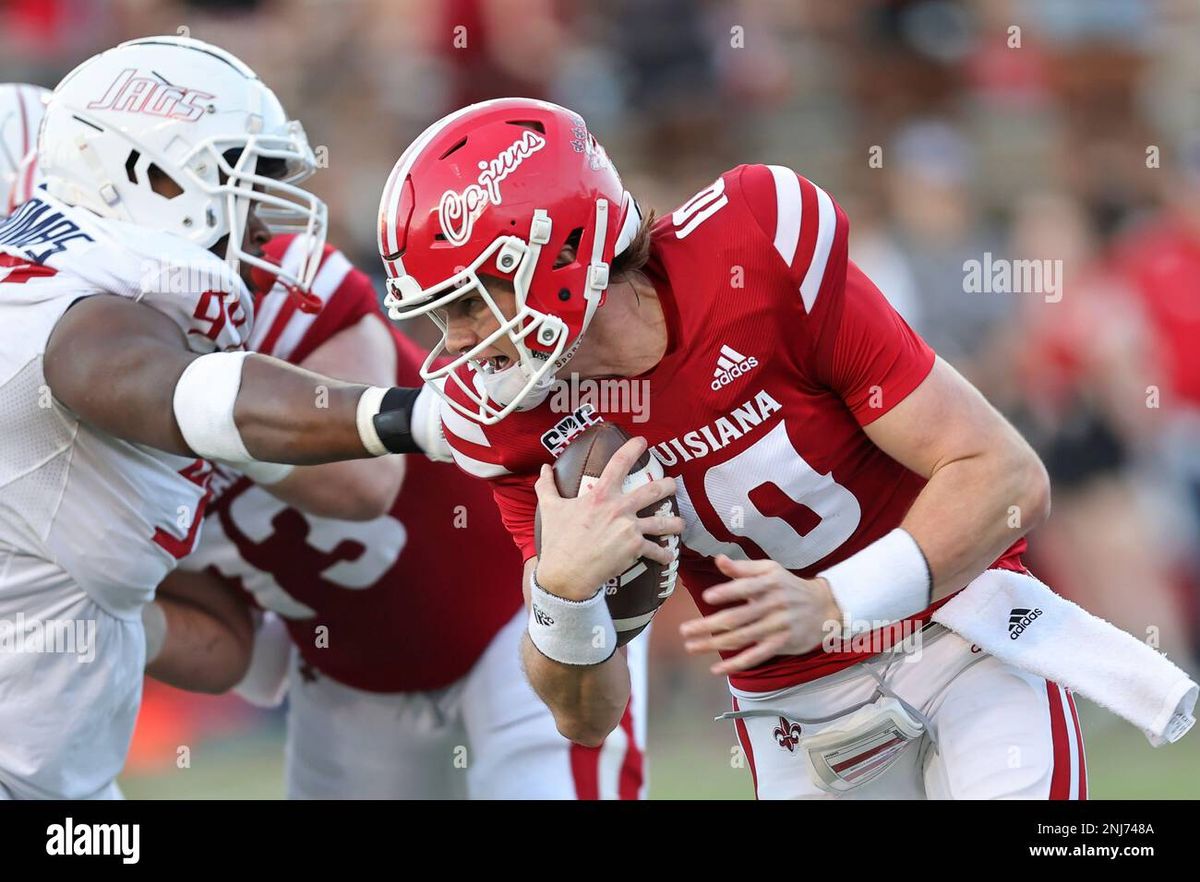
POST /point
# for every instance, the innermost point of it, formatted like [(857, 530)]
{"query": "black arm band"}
[(394, 420)]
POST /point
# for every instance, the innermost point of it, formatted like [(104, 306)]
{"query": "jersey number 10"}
[(728, 487)]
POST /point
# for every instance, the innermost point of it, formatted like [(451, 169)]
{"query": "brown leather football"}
[(634, 596)]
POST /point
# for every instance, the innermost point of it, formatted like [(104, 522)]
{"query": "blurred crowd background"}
[(1061, 130)]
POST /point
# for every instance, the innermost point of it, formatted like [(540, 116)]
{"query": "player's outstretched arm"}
[(199, 635), (124, 368), (356, 489)]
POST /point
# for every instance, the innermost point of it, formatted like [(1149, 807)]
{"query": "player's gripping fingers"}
[(656, 552), (737, 589), (728, 619), (546, 489), (660, 525), (755, 655), (618, 467), (738, 568), (763, 628), (649, 494)]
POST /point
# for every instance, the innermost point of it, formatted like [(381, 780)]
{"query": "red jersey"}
[(405, 602), (779, 351)]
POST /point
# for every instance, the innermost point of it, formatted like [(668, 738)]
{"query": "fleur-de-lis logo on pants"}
[(787, 734)]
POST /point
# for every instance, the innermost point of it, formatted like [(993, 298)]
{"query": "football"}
[(634, 596)]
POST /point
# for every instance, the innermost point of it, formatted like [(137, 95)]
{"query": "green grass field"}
[(691, 758)]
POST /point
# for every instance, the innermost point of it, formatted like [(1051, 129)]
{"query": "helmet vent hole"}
[(459, 146), (130, 172), (529, 124)]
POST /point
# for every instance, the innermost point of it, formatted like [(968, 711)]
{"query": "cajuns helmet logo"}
[(457, 212)]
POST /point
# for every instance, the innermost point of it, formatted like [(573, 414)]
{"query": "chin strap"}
[(105, 190), (306, 301), (597, 275)]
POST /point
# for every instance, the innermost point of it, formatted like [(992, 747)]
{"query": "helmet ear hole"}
[(569, 253), (162, 183)]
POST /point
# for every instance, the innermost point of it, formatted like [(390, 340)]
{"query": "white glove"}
[(427, 423), (266, 681)]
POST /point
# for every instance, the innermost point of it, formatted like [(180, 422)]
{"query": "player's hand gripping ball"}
[(634, 595)]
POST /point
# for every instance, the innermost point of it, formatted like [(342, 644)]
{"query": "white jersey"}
[(89, 524), (116, 516)]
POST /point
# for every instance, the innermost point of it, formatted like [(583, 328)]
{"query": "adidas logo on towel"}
[(731, 364), (1019, 620)]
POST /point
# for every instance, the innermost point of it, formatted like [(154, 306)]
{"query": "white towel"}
[(1019, 620)]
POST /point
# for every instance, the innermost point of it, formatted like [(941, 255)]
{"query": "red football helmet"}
[(499, 188)]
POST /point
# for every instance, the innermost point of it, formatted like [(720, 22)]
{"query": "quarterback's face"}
[(469, 321)]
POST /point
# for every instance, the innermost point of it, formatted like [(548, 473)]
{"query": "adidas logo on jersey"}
[(731, 364), (1019, 620)]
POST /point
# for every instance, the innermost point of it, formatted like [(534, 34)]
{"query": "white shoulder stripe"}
[(273, 301), (293, 333), (826, 227), (268, 312), (329, 278), (461, 427), (478, 468), (788, 208)]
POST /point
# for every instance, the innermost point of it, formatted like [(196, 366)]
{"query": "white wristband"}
[(266, 681), (368, 406), (154, 623), (885, 582), (203, 403), (572, 632)]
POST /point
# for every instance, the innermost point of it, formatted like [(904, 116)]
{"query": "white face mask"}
[(504, 387)]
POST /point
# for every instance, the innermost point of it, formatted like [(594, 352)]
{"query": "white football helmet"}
[(21, 108), (202, 118)]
